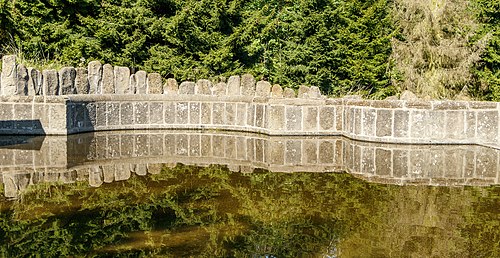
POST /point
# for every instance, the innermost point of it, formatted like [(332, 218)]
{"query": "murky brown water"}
[(127, 194)]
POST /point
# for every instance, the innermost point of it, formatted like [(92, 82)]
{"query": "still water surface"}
[(105, 195)]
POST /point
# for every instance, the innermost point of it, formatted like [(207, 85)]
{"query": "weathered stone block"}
[(95, 77), (487, 126), (218, 113), (303, 92), (233, 85), (218, 146), (250, 149), (326, 152), (367, 161), (401, 123), (154, 82), (260, 150), (9, 75), (206, 145), (251, 115), (133, 84), (203, 87), (91, 111), (23, 115), (230, 147), (383, 162), (22, 80), (169, 113), (67, 80), (230, 114), (259, 115), (156, 112), (293, 152), (289, 93), (247, 85), (293, 118), (108, 80), (276, 91), (455, 125), (368, 118), (194, 146), (219, 89), (311, 119), (122, 172), (141, 86), (57, 117), (418, 127), (171, 86), (276, 118), (384, 122), (100, 114), (187, 88), (194, 113), (156, 146), (241, 113), (436, 124), (50, 82), (35, 82), (263, 89), (81, 81), (357, 121), (181, 111), (339, 118), (326, 117), (400, 163), (276, 153), (122, 80), (241, 150), (206, 113), (141, 145), (486, 164), (113, 113), (310, 152), (141, 112), (470, 124), (127, 113), (314, 93)]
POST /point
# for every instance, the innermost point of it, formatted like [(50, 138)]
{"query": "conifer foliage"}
[(373, 47)]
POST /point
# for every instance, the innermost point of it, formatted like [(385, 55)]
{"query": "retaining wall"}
[(102, 97)]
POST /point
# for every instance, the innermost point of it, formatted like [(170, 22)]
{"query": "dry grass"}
[(436, 56)]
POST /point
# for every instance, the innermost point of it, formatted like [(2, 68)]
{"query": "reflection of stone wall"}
[(101, 97), (110, 156)]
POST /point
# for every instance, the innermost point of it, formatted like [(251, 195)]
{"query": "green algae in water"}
[(213, 212)]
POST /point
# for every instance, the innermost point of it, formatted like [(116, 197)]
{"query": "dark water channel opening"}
[(220, 194)]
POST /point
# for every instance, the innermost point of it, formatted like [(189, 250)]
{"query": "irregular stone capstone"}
[(67, 80), (95, 77), (81, 81), (9, 75)]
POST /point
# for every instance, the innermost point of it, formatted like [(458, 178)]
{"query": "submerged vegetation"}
[(439, 48)]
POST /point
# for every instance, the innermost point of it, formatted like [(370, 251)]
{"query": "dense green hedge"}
[(341, 46)]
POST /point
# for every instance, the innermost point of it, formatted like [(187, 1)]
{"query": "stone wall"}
[(104, 157), (102, 97)]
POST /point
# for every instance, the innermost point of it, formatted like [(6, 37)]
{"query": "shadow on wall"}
[(32, 127)]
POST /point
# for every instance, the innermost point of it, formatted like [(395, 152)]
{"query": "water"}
[(212, 194)]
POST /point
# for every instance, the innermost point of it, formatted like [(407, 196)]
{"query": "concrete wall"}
[(105, 157), (102, 97)]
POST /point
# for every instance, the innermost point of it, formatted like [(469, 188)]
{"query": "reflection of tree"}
[(197, 211)]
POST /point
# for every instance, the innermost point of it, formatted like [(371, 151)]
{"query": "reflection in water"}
[(146, 205), (211, 211), (109, 156)]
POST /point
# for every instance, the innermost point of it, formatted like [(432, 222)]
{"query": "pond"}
[(221, 194)]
